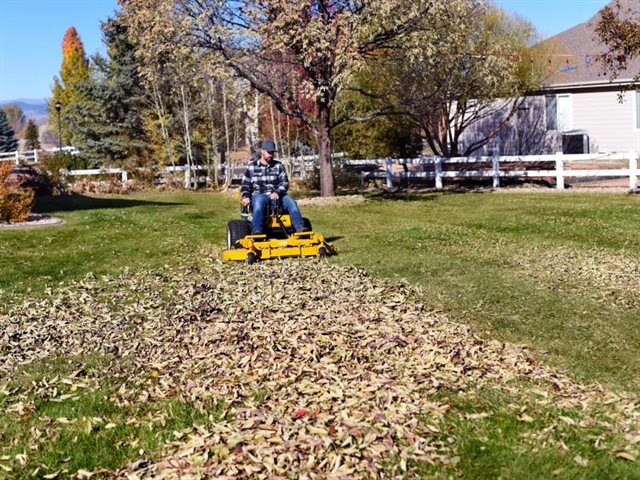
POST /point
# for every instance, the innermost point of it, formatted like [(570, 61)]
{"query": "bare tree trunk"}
[(289, 163), (228, 177), (161, 113), (236, 131), (256, 117), (251, 123), (323, 138), (214, 136), (280, 134), (273, 123), (187, 139)]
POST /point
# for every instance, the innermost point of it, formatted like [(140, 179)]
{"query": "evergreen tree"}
[(107, 117), (8, 141), (74, 69), (32, 136), (16, 118)]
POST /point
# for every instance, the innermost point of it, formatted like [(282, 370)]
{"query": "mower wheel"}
[(322, 252), (236, 230), (251, 258), (307, 223)]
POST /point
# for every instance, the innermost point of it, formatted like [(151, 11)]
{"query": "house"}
[(579, 110)]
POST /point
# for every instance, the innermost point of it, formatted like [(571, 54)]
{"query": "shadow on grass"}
[(333, 239), (66, 203), (402, 196)]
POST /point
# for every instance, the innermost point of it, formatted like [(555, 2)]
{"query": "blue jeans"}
[(259, 202)]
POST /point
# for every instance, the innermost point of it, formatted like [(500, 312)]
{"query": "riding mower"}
[(278, 240)]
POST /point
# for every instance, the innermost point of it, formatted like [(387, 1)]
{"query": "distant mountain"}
[(35, 109)]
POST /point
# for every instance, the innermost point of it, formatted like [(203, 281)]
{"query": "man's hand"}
[(245, 201), (274, 196)]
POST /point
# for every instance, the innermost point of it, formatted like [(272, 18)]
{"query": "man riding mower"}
[(266, 231)]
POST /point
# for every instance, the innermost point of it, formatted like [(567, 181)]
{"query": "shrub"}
[(15, 202), (31, 178), (345, 178), (52, 164)]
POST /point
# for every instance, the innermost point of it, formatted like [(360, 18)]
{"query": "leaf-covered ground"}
[(286, 369)]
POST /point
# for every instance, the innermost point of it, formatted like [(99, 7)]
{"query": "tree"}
[(8, 141), (483, 66), (74, 69), (299, 53), (16, 118), (32, 136), (618, 29), (390, 135), (107, 115)]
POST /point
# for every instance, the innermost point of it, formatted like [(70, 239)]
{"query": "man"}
[(264, 181)]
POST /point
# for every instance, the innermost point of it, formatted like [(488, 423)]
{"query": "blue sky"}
[(31, 34)]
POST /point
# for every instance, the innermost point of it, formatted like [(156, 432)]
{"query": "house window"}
[(551, 112), (558, 112), (564, 113)]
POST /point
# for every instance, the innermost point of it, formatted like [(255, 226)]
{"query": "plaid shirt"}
[(259, 178)]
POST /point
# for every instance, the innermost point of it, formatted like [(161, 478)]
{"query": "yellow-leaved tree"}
[(74, 69), (300, 53)]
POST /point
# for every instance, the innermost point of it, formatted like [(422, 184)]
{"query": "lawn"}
[(557, 273)]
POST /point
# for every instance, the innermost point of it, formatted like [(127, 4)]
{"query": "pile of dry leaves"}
[(593, 273), (323, 371)]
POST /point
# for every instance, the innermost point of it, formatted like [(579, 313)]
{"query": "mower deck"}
[(259, 247)]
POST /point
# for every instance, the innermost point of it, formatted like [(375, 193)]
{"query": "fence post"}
[(559, 171), (389, 169), (17, 157), (496, 172), (633, 171), (124, 176), (35, 156), (438, 171)]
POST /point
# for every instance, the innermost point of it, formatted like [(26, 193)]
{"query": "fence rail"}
[(33, 156), (437, 168), (558, 166)]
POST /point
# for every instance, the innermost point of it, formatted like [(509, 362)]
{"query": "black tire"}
[(236, 230), (307, 223), (322, 252), (251, 258)]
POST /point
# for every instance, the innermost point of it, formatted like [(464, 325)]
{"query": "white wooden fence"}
[(497, 168), (33, 156), (600, 165)]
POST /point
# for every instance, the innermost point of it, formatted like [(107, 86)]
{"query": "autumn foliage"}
[(74, 64), (74, 69), (618, 29), (15, 202)]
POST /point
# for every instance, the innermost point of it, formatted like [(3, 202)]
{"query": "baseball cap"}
[(268, 145)]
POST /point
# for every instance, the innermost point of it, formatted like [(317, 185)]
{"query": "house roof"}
[(574, 62)]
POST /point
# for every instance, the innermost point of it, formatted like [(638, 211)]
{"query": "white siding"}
[(609, 123)]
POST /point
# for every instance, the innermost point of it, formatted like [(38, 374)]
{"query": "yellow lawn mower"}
[(278, 240)]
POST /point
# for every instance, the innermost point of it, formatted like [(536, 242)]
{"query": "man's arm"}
[(283, 182), (245, 186)]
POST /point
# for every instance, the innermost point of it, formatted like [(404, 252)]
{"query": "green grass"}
[(490, 440), (103, 433), (477, 257), (460, 248), (105, 235)]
